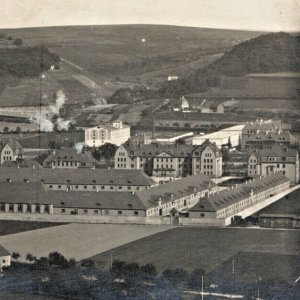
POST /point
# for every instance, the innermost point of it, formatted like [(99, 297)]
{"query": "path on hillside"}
[(77, 241)]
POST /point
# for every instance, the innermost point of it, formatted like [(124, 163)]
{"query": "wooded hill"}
[(269, 53)]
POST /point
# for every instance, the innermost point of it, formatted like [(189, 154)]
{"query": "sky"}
[(263, 15)]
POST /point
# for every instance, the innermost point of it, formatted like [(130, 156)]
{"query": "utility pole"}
[(202, 296), (111, 260)]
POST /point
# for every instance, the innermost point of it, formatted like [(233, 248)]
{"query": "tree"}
[(107, 151), (29, 257), (18, 42), (181, 141), (118, 266), (18, 130), (57, 259), (88, 263), (195, 279), (53, 145), (15, 255)]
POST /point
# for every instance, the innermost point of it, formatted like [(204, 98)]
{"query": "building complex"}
[(170, 160)]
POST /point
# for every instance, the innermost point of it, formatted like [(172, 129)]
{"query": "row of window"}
[(94, 187), (96, 211)]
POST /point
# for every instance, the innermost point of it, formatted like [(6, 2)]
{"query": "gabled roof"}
[(176, 189), (272, 136), (28, 163), (3, 251), (276, 151), (71, 155), (34, 193), (263, 125), (155, 149), (242, 191), (77, 176), (12, 143)]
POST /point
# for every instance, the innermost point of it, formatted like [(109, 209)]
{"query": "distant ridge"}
[(268, 53)]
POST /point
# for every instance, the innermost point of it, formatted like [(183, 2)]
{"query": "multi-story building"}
[(10, 151), (171, 160), (69, 158), (33, 198), (279, 158), (234, 201), (261, 135), (116, 133), (84, 179)]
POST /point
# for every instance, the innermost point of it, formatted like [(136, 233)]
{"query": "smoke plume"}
[(45, 124), (79, 147)]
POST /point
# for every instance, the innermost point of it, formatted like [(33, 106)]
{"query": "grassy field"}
[(76, 240), (41, 140), (11, 227), (211, 248), (289, 204), (118, 50)]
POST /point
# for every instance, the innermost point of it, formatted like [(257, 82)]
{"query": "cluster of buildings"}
[(71, 182), (170, 160)]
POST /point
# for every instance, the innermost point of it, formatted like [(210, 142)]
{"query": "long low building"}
[(33, 198), (230, 203), (83, 179), (221, 137)]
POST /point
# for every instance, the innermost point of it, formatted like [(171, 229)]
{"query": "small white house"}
[(5, 258)]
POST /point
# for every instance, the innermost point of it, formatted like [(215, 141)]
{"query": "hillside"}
[(133, 52), (270, 53)]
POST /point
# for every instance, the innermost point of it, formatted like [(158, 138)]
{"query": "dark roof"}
[(198, 116), (100, 200), (29, 163), (34, 193), (78, 176), (264, 126), (154, 149), (71, 155), (242, 191), (272, 136), (20, 192), (276, 151), (3, 251), (178, 188)]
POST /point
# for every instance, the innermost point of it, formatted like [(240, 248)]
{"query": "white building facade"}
[(116, 133)]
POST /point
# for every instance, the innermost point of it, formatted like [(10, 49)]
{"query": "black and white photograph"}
[(149, 149)]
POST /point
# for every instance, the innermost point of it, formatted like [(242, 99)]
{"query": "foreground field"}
[(213, 249), (10, 227), (76, 240)]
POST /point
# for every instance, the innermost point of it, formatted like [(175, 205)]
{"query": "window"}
[(85, 187), (76, 186), (96, 211), (111, 187), (106, 212), (202, 215), (120, 187), (63, 210), (136, 213), (59, 186), (119, 212), (85, 211), (129, 188)]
